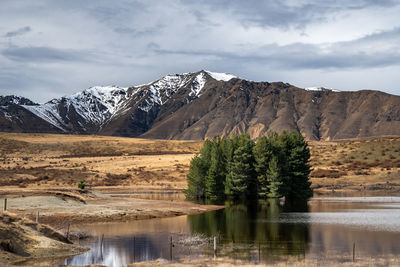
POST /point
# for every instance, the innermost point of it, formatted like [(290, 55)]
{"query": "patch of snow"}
[(99, 103), (161, 90), (197, 85), (15, 100), (221, 76), (47, 112), (7, 115), (95, 105), (321, 89)]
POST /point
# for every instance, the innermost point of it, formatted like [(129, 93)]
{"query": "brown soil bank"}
[(60, 208), (23, 240)]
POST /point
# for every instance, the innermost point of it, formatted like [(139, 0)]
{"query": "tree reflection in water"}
[(256, 224)]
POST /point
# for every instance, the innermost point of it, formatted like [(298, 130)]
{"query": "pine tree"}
[(229, 145), (278, 165), (196, 179), (265, 148), (198, 169), (241, 179), (297, 170), (215, 178), (300, 168), (274, 178), (206, 152)]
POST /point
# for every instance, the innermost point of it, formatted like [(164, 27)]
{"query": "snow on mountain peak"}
[(162, 89), (99, 103), (197, 85), (95, 105), (15, 100), (221, 76), (320, 89)]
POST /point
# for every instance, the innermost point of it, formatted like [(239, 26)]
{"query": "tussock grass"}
[(50, 160)]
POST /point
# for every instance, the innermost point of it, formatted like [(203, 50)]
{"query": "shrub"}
[(81, 185)]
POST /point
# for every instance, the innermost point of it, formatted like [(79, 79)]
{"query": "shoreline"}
[(59, 208)]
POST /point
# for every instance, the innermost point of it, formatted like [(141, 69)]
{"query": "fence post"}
[(37, 217), (134, 249), (68, 231), (215, 247), (170, 248), (354, 251), (101, 246), (5, 204)]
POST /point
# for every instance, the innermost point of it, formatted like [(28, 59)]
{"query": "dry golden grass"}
[(55, 161), (48, 160), (367, 164)]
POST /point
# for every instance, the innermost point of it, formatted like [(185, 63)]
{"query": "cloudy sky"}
[(54, 48)]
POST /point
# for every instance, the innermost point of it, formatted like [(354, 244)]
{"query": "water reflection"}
[(122, 250), (256, 223), (265, 230)]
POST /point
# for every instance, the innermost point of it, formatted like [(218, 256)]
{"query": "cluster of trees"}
[(237, 167)]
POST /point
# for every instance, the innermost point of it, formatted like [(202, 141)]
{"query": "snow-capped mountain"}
[(204, 104), (15, 100), (92, 106), (90, 110)]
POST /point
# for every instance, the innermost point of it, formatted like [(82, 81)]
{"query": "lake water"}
[(265, 231)]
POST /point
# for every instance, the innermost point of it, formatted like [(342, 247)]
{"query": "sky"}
[(53, 48)]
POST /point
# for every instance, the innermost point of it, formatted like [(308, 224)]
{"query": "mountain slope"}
[(204, 104)]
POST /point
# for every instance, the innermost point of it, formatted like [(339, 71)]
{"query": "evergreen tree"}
[(198, 169), (229, 145), (241, 179), (215, 178), (278, 165), (265, 148), (196, 179), (206, 152), (297, 170), (274, 178)]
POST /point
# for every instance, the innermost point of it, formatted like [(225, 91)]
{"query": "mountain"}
[(204, 104)]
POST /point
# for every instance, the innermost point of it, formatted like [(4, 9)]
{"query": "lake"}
[(263, 231)]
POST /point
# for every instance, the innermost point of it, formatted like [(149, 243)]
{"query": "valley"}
[(50, 161), (129, 179)]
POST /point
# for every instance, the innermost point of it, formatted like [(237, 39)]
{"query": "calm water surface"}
[(263, 231)]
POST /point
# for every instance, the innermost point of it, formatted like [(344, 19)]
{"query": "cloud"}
[(287, 13), (130, 42), (43, 54), (363, 53), (19, 31)]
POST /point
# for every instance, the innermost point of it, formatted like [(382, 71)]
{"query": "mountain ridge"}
[(203, 104)]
